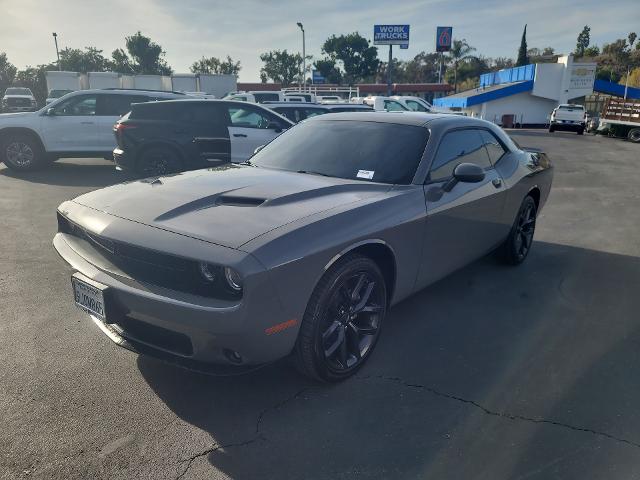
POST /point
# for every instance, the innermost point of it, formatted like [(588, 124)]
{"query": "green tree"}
[(460, 51), (469, 71), (89, 60), (216, 66), (329, 70), (423, 68), (523, 58), (281, 66), (34, 78), (359, 59), (501, 63), (7, 72), (592, 51), (143, 56), (583, 41)]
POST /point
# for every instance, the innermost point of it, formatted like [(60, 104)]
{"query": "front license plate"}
[(89, 298)]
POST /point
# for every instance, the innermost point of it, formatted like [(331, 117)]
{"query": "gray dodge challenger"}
[(301, 250)]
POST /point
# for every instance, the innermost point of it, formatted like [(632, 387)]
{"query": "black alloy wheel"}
[(157, 161), (21, 153), (343, 319), (518, 244)]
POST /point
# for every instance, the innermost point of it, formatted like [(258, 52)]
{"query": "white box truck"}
[(148, 82), (184, 82), (61, 83), (218, 85), (103, 80)]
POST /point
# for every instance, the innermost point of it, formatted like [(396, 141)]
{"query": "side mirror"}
[(274, 126), (51, 112), (258, 149), (465, 172)]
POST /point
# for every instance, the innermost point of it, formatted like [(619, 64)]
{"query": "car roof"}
[(294, 104), (160, 93), (419, 119)]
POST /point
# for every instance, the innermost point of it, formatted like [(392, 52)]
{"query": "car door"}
[(251, 126), (208, 124), (465, 222), (110, 107), (71, 125)]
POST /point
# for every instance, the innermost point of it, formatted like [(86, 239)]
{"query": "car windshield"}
[(17, 91), (355, 150)]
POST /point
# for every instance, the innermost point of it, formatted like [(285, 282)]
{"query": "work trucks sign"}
[(391, 35)]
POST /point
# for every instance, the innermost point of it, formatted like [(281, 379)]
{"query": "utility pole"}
[(389, 71), (304, 58), (626, 84), (55, 39)]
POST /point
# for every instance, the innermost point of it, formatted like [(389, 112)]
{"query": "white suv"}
[(79, 124)]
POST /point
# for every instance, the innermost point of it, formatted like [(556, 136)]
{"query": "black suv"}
[(175, 135)]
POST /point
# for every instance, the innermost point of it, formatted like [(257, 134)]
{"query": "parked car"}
[(299, 97), (380, 103), (568, 117), (301, 251), (415, 104), (163, 137), (257, 96), (55, 94), (18, 99), (80, 124), (330, 99), (296, 112)]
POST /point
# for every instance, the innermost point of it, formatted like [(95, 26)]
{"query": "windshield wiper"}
[(311, 172), (247, 162)]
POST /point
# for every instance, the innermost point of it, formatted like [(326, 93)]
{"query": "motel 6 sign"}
[(443, 38)]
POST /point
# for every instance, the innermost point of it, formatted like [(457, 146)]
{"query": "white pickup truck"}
[(80, 124), (568, 116)]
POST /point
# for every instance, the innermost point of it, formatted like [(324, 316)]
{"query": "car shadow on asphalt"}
[(493, 372), (71, 173)]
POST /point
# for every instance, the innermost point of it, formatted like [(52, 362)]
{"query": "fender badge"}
[(281, 326)]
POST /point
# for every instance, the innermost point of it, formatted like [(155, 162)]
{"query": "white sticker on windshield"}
[(368, 174)]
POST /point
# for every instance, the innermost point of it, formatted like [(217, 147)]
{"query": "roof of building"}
[(616, 89), (479, 95)]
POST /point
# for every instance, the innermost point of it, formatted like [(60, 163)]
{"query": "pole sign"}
[(316, 77), (443, 39), (391, 35)]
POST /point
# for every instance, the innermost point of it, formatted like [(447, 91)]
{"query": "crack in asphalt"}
[(257, 436), (495, 413)]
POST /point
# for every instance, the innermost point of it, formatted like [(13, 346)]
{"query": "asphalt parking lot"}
[(495, 372)]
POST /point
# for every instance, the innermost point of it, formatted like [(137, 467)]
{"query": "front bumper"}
[(196, 332), (13, 109)]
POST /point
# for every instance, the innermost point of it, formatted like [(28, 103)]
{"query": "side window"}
[(290, 113), (416, 107), (393, 106), (248, 117), (266, 97), (79, 105), (202, 113), (118, 105), (493, 146), (459, 146)]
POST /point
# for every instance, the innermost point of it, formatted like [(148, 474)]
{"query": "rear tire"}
[(342, 321), (634, 135), (155, 161), (551, 129), (22, 152), (518, 244), (581, 131)]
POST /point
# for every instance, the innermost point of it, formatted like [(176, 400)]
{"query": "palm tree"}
[(460, 50)]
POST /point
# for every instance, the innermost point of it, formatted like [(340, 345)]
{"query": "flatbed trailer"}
[(623, 117)]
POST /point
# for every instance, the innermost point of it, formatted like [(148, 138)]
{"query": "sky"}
[(190, 29)]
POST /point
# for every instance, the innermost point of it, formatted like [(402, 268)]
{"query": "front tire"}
[(551, 129), (634, 135), (518, 244), (156, 161), (341, 324), (22, 153)]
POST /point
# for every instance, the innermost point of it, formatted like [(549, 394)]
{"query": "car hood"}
[(228, 205)]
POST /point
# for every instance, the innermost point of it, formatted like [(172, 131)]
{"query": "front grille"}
[(155, 336), (18, 102), (150, 266)]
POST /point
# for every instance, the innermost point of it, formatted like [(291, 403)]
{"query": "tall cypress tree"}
[(523, 58)]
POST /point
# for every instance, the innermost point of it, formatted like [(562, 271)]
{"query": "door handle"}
[(496, 182), (243, 135)]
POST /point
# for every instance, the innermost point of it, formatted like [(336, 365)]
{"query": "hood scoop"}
[(239, 201), (217, 200)]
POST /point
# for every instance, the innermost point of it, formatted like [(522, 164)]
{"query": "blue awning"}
[(616, 89), (482, 95)]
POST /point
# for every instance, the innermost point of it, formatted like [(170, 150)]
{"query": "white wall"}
[(525, 107), (548, 80)]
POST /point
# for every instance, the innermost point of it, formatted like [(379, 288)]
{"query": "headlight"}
[(209, 272), (233, 278)]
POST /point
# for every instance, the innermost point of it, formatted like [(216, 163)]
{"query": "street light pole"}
[(55, 39), (304, 58), (389, 71)]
